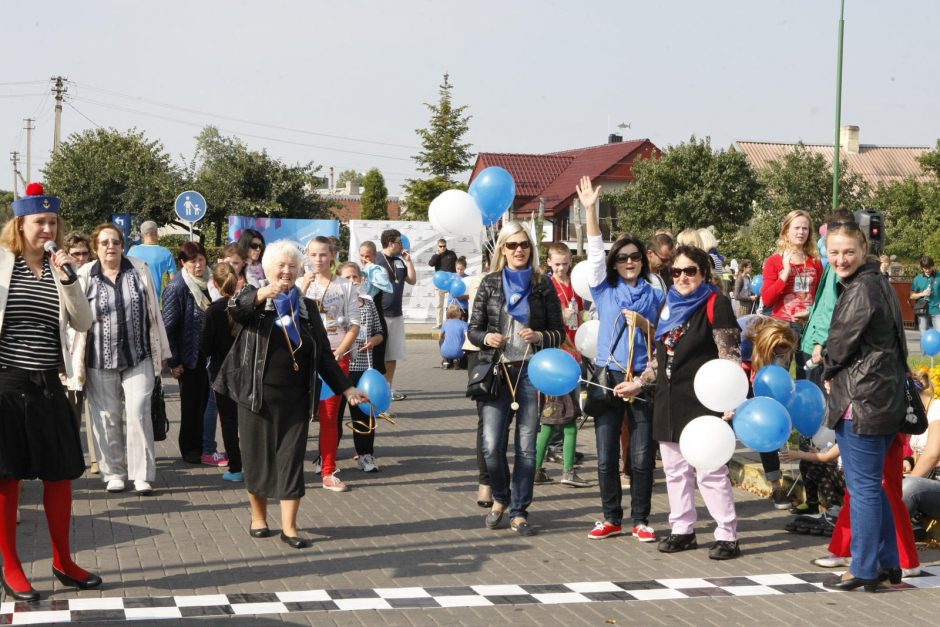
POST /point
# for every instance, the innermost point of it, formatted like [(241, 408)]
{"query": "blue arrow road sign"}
[(190, 206)]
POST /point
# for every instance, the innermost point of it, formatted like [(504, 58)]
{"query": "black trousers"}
[(228, 416), (194, 395)]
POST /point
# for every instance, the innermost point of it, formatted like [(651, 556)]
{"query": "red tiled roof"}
[(876, 164), (553, 176)]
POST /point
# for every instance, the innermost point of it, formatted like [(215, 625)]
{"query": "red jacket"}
[(794, 295)]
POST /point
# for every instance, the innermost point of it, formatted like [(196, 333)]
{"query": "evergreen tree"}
[(374, 197)]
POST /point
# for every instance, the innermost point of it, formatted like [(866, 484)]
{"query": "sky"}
[(343, 83)]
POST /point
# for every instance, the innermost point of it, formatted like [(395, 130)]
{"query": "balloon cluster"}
[(450, 282), (466, 213)]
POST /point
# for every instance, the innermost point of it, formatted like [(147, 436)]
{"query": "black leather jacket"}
[(864, 362), (242, 372), (490, 315)]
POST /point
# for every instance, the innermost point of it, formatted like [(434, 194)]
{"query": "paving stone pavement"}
[(415, 524)]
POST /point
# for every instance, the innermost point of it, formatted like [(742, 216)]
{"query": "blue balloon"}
[(457, 287), (775, 382), (930, 342), (554, 372), (442, 279), (807, 408), (494, 190), (325, 390), (405, 242), (757, 284), (823, 253), (373, 383), (762, 424)]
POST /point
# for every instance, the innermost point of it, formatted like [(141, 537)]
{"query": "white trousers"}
[(119, 405)]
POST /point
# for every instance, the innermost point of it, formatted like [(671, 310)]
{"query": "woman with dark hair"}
[(39, 434), (516, 312), (696, 325), (252, 241), (628, 307), (185, 301), (866, 365)]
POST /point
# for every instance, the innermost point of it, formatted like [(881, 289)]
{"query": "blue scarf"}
[(516, 287), (611, 301), (680, 308), (287, 307)]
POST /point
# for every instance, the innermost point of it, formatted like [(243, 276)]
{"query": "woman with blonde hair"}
[(690, 237), (791, 278), (516, 312)]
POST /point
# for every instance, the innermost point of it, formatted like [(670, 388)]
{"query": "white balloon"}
[(455, 212), (707, 443), (720, 385), (824, 438), (585, 338), (581, 280)]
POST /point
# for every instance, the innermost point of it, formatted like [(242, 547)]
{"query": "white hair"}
[(275, 251), (708, 238)]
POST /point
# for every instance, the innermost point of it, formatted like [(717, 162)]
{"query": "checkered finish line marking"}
[(119, 609)]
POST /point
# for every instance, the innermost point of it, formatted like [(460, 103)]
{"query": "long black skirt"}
[(39, 433), (273, 443)]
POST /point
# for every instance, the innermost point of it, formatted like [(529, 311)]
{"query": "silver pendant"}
[(514, 406)]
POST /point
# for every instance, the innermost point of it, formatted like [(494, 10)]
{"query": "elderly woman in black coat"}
[(865, 376), (271, 372)]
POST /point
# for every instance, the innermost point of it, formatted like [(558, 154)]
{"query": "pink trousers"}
[(715, 486)]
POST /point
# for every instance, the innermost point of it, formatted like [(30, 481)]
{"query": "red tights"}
[(329, 426), (57, 502)]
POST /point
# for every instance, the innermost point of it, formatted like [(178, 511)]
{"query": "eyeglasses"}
[(256, 245), (109, 242), (621, 257), (524, 245), (690, 272), (79, 253)]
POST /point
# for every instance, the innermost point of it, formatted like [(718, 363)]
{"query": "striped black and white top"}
[(369, 325), (30, 338)]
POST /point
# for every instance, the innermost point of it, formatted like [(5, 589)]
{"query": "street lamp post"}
[(836, 166)]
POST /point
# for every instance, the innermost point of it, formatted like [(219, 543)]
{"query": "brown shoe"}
[(94, 469)]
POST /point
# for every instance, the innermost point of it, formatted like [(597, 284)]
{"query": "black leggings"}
[(228, 416)]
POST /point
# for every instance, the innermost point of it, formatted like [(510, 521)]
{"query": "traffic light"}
[(872, 224)]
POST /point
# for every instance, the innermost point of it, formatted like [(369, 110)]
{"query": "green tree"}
[(350, 176), (103, 171), (802, 179), (374, 196), (930, 161), (689, 185), (912, 217), (6, 205), (443, 154)]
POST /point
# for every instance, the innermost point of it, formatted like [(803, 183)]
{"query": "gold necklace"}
[(513, 387)]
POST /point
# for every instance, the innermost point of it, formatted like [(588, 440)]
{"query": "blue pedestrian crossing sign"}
[(191, 206)]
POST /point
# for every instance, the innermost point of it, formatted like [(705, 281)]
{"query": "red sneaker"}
[(644, 533), (603, 530)]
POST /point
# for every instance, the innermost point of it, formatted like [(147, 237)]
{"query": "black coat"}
[(864, 362), (675, 403), (242, 374), (489, 313)]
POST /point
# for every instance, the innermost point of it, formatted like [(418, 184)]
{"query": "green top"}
[(820, 316), (920, 283)]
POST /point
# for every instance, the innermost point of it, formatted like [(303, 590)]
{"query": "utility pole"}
[(59, 89), (836, 166), (29, 148), (14, 157)]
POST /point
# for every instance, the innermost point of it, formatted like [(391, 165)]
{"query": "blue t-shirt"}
[(158, 259), (455, 332)]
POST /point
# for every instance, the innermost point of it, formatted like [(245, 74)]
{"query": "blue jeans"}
[(874, 542), (922, 497), (927, 321), (496, 418), (607, 427)]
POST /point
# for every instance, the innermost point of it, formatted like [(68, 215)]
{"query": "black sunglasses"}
[(690, 271), (851, 225), (514, 245), (255, 246), (621, 257)]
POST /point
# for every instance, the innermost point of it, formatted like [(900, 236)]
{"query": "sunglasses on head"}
[(851, 225), (255, 246), (689, 271), (621, 257), (524, 245)]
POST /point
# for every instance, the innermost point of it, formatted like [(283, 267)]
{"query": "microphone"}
[(51, 248)]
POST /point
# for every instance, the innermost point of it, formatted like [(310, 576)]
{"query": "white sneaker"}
[(367, 463), (832, 561), (143, 487), (910, 572), (115, 485), (317, 465)]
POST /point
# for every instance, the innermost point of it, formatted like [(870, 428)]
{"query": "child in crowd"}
[(370, 336), (462, 301), (822, 477), (453, 334)]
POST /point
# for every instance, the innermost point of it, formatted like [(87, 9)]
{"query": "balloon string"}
[(635, 398)]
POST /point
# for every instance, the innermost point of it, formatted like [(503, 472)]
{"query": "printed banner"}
[(420, 300), (273, 229)]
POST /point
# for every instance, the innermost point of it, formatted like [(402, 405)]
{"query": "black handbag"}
[(485, 381), (161, 424), (915, 417), (600, 397)]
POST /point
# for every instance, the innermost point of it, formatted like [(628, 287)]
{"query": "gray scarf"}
[(197, 287)]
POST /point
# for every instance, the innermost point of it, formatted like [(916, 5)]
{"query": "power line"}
[(244, 121), (23, 83), (72, 107), (22, 95)]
